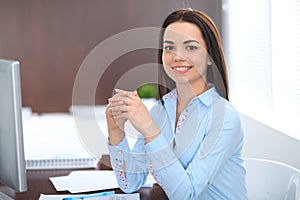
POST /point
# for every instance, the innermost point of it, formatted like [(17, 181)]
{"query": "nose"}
[(177, 57)]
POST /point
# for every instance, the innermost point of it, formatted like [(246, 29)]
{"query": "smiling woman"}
[(183, 46), (191, 141), (193, 44)]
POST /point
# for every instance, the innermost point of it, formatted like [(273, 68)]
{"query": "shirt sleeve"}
[(223, 135), (129, 165)]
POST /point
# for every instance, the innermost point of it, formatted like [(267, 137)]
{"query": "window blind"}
[(262, 49)]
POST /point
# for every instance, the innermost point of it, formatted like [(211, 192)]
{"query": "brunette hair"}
[(217, 73)]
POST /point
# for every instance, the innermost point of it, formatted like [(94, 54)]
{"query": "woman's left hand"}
[(133, 109)]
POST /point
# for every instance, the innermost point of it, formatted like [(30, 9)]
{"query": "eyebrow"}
[(185, 42), (169, 42), (189, 41)]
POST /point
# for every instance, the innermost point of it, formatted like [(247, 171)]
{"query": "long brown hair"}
[(217, 73)]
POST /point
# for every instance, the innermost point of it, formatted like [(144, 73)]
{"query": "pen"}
[(82, 197)]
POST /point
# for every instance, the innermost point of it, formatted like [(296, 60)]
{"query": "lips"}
[(181, 69)]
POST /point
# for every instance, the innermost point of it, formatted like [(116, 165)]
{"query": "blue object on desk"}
[(86, 196)]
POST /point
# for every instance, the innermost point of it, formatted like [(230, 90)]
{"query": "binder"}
[(64, 163), (51, 141)]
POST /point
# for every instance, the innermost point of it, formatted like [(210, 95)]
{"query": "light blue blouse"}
[(199, 158)]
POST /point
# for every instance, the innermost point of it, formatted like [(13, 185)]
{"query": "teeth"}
[(181, 68)]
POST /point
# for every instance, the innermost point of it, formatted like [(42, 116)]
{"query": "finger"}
[(117, 101), (117, 96), (121, 91), (124, 115), (135, 95), (120, 109), (126, 93)]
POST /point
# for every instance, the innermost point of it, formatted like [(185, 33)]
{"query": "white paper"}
[(134, 196), (84, 181), (89, 180)]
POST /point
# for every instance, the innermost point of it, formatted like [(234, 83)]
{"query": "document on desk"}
[(90, 180), (134, 196), (85, 181)]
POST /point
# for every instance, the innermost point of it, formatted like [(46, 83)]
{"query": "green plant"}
[(148, 90)]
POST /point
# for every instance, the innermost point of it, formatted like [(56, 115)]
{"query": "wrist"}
[(114, 141), (115, 137), (151, 133), (149, 139)]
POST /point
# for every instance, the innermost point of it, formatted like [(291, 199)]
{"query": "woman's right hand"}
[(115, 125)]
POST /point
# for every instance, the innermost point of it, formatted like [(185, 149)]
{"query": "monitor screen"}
[(12, 160)]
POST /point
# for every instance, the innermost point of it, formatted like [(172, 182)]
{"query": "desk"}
[(38, 182)]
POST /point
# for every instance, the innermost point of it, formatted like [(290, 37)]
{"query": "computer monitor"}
[(12, 159)]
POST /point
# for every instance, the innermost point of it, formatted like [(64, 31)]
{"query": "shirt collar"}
[(170, 96), (206, 97)]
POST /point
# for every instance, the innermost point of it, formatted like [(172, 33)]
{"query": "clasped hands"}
[(127, 105)]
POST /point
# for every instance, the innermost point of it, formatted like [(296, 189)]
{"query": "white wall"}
[(262, 141)]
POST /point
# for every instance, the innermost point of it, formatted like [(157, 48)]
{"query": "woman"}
[(192, 139)]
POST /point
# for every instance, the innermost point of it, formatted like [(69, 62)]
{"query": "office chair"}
[(271, 180)]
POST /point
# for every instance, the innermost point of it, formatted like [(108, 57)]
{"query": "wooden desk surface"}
[(38, 182)]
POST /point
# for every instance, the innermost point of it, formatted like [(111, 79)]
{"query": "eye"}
[(191, 48), (169, 48)]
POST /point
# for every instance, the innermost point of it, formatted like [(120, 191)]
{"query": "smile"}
[(181, 69)]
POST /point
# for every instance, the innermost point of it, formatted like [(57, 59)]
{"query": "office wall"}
[(262, 141), (51, 38)]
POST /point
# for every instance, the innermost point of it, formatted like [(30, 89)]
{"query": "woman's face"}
[(184, 53)]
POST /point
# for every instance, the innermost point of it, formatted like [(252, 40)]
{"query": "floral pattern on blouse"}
[(121, 173), (155, 175), (172, 94), (183, 116)]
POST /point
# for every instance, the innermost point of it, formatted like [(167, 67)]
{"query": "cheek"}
[(166, 58), (200, 64), (166, 61), (200, 60)]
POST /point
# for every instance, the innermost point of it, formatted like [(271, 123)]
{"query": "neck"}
[(186, 92)]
